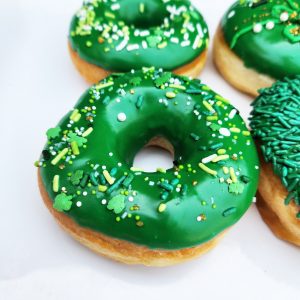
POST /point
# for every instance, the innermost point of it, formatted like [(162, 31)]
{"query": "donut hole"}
[(142, 14), (158, 153)]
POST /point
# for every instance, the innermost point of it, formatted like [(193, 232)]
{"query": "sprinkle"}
[(224, 131), (142, 8), (161, 170), (115, 6), (109, 15), (185, 43), (170, 95), (209, 158), (116, 185), (232, 175), (162, 45), (284, 16), (102, 188), (232, 114), (195, 137), (235, 130), (78, 203), (75, 116), (104, 85), (122, 45), (221, 151), (55, 185), (133, 47), (220, 98), (162, 207), (59, 156), (108, 178), (128, 180), (208, 106), (257, 28), (177, 86), (246, 133), (121, 117), (139, 102), (220, 158), (225, 170), (75, 148), (270, 25), (168, 187), (229, 211), (207, 170)]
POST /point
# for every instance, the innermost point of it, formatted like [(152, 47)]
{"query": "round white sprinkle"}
[(270, 25), (130, 198), (84, 193), (110, 154), (78, 203), (224, 131), (284, 16), (199, 218), (257, 28), (121, 117), (119, 164), (231, 14), (103, 201)]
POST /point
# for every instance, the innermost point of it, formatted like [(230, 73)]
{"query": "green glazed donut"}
[(123, 35), (86, 165), (265, 34)]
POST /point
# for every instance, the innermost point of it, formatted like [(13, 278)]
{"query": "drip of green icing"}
[(275, 121)]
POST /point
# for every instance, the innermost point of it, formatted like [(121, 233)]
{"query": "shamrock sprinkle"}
[(52, 133), (117, 204), (62, 202)]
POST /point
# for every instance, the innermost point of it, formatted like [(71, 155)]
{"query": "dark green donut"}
[(130, 34), (265, 34), (86, 166)]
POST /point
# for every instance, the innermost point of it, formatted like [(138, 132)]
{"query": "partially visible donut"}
[(275, 123), (118, 36), (88, 182), (258, 42)]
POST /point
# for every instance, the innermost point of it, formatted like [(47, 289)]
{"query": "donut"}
[(118, 36), (275, 122), (258, 43), (88, 182)]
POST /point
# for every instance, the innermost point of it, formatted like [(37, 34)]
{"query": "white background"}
[(37, 259)]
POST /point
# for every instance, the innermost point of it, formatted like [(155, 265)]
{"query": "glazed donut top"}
[(265, 34), (122, 35), (86, 166), (276, 124)]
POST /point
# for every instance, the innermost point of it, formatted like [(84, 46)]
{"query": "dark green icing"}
[(265, 35), (130, 34), (275, 122), (169, 209)]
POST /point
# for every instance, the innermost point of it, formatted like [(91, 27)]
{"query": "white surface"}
[(37, 259)]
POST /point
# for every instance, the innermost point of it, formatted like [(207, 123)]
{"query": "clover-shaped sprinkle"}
[(76, 177), (62, 202), (135, 81), (165, 77), (236, 188), (215, 127), (153, 40), (117, 204), (52, 133), (73, 137)]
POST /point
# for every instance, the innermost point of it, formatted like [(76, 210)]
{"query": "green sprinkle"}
[(101, 86), (128, 180), (207, 170), (139, 102), (75, 148), (59, 156), (55, 186), (89, 44), (87, 132), (208, 106), (229, 211), (102, 188), (62, 202), (170, 95), (116, 204), (220, 158), (195, 137), (177, 86), (161, 170), (162, 207)]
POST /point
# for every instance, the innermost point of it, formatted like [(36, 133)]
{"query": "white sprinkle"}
[(132, 47), (284, 16), (103, 167), (196, 42), (199, 218), (254, 200), (151, 183), (256, 167), (110, 154), (232, 114), (121, 117), (103, 201), (224, 131), (185, 43), (144, 44), (119, 164), (231, 14), (174, 40), (84, 193), (115, 6), (122, 45), (144, 33), (130, 198), (78, 203), (270, 25), (257, 28), (177, 190), (208, 159), (199, 29)]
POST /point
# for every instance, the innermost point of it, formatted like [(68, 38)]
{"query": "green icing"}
[(276, 124), (265, 34), (131, 34), (210, 187)]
